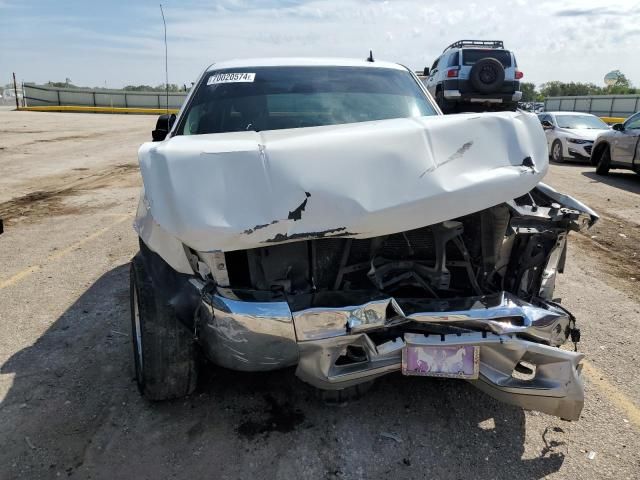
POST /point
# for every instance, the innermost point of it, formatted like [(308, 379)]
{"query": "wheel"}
[(510, 106), (164, 352), (604, 163), (556, 151), (445, 105), (487, 75)]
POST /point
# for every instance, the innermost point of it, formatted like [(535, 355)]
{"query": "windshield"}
[(470, 56), (273, 98), (580, 121)]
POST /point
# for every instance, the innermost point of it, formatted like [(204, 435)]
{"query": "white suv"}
[(474, 73)]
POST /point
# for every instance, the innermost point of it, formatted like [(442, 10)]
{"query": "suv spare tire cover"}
[(487, 75)]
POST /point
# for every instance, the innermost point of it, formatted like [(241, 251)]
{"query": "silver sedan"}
[(619, 147)]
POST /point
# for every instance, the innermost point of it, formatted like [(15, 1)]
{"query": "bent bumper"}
[(254, 334), (555, 389)]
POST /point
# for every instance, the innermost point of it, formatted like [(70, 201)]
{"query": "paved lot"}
[(69, 406)]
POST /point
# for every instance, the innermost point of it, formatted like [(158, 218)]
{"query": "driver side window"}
[(633, 123)]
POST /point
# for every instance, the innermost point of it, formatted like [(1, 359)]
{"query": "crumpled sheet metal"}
[(244, 190), (570, 202), (556, 388), (324, 322), (489, 312), (247, 336), (258, 336), (158, 239)]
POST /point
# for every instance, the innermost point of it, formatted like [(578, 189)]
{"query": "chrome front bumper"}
[(254, 334)]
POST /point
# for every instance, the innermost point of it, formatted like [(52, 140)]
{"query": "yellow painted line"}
[(619, 399), (59, 254), (612, 120), (81, 109)]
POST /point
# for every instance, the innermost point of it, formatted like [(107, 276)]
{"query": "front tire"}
[(604, 163), (164, 351), (556, 151)]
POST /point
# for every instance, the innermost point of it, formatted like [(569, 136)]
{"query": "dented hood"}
[(242, 190)]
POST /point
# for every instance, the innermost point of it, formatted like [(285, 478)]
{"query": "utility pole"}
[(15, 91), (166, 58)]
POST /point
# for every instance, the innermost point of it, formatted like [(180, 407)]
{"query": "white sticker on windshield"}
[(231, 78)]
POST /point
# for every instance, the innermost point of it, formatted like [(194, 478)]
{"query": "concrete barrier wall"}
[(602, 105), (42, 95)]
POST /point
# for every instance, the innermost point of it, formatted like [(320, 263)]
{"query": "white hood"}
[(584, 133), (243, 190)]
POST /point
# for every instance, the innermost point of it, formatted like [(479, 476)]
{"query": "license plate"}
[(451, 361)]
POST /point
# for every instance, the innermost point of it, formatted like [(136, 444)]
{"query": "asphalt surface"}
[(69, 406)]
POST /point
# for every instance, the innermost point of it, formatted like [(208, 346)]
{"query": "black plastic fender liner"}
[(171, 285)]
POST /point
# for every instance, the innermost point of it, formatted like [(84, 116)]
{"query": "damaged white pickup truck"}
[(324, 214)]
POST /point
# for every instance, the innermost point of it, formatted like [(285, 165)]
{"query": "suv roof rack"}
[(476, 43)]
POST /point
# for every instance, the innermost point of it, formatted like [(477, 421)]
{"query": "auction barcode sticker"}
[(231, 78)]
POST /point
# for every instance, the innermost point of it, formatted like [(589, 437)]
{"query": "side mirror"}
[(546, 124), (426, 71), (618, 127), (163, 126)]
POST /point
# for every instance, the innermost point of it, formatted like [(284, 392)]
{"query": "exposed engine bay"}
[(517, 247)]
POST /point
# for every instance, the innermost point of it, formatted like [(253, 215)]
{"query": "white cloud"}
[(577, 40)]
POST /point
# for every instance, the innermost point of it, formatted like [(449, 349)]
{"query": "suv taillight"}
[(453, 73), (519, 74)]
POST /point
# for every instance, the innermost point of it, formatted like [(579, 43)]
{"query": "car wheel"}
[(487, 75), (164, 352), (444, 105), (604, 164), (556, 151)]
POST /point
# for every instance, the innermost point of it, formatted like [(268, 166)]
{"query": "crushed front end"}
[(350, 310), (423, 245)]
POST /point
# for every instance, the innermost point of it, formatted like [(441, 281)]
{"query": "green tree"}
[(621, 80), (529, 93), (622, 86), (162, 87), (138, 88), (556, 88), (64, 84)]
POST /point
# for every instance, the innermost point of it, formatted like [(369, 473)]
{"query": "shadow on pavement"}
[(73, 410), (622, 179)]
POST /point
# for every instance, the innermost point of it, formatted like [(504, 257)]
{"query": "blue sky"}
[(119, 42)]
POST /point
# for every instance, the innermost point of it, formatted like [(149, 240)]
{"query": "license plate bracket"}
[(449, 361)]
